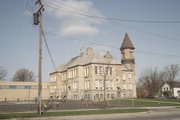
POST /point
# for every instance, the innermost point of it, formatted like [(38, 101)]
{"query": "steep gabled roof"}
[(126, 43)]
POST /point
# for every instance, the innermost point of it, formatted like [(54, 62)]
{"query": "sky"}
[(69, 25)]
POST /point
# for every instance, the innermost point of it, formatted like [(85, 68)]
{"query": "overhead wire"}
[(100, 18), (29, 7), (115, 19), (83, 13), (90, 42), (49, 52)]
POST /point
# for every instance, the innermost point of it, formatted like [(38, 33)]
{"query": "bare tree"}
[(24, 75), (3, 73), (151, 81), (171, 73)]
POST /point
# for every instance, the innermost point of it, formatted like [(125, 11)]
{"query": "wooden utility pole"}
[(40, 66), (38, 20)]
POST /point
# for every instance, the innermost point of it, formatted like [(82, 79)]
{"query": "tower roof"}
[(126, 43)]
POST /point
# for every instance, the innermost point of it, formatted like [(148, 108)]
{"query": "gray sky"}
[(157, 44)]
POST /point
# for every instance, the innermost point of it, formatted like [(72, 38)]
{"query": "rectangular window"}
[(124, 76), (130, 86), (12, 86), (110, 71), (96, 84), (129, 76), (75, 85), (64, 76), (107, 69), (111, 85), (101, 84), (96, 70), (27, 87), (86, 71), (54, 77), (117, 80), (87, 85), (124, 86), (52, 89), (107, 84), (112, 96), (100, 70)]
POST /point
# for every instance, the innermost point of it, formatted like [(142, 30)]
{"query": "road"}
[(154, 114)]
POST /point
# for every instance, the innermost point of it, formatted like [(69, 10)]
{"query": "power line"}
[(111, 23), (49, 52), (113, 19), (90, 42)]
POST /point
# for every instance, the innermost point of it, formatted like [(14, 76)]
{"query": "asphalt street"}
[(154, 114)]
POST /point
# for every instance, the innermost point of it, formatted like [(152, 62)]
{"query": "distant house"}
[(171, 90)]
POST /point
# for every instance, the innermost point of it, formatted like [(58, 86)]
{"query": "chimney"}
[(81, 54), (89, 51)]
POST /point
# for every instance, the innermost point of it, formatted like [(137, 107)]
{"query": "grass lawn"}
[(162, 99), (147, 102), (70, 113)]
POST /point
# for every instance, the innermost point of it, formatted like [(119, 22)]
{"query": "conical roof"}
[(126, 43)]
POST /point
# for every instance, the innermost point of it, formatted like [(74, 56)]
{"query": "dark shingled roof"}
[(176, 84), (126, 43)]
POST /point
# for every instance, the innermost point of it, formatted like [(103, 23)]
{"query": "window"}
[(54, 77), (87, 85), (96, 70), (12, 86), (64, 87), (124, 86), (27, 87), (129, 76), (75, 85), (70, 74), (64, 76), (100, 70), (112, 96), (131, 54), (101, 84), (117, 80), (124, 76), (111, 85), (107, 69), (96, 84), (123, 55), (108, 96), (52, 89), (107, 84), (130, 86), (86, 71), (110, 70)]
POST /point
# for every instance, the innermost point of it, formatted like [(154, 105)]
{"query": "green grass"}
[(162, 99), (153, 104), (146, 102), (70, 113)]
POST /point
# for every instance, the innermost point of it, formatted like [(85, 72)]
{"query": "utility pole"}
[(38, 20)]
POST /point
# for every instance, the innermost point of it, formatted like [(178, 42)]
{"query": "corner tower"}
[(127, 52)]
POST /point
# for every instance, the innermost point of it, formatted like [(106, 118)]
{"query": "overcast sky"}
[(83, 23)]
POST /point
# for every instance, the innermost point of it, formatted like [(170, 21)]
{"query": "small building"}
[(172, 90), (22, 91), (96, 76)]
